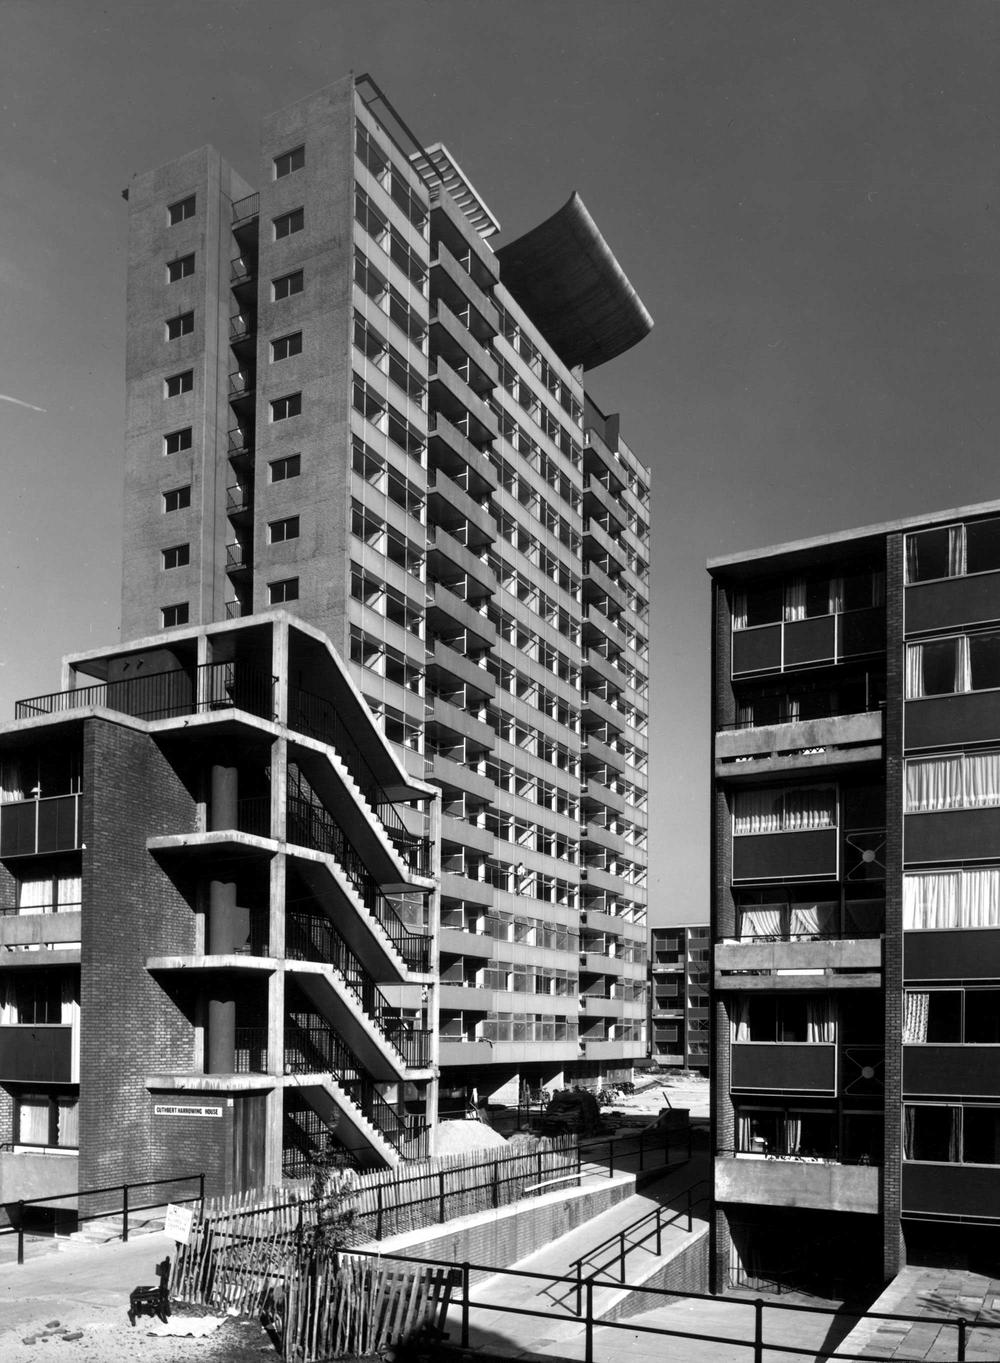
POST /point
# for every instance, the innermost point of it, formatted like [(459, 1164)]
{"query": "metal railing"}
[(309, 937), (783, 1157), (310, 825), (123, 1208), (166, 695), (650, 1226), (250, 1050), (313, 715), (248, 207)]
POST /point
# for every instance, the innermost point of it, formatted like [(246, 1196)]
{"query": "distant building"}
[(856, 916), (342, 403), (678, 996)]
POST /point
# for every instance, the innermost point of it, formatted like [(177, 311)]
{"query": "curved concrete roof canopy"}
[(565, 276)]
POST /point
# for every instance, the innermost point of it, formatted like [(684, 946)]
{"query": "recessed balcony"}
[(799, 744), (820, 1184)]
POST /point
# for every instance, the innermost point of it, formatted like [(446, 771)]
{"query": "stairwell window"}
[(288, 223), (288, 406), (180, 268), (181, 325), (177, 384), (176, 441), (177, 556), (289, 161), (287, 589), (286, 529), (287, 284), (181, 210)]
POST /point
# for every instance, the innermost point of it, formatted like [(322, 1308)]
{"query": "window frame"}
[(287, 285), (176, 615), (176, 499), (181, 324), (175, 556), (178, 436), (284, 529), (278, 593), (290, 465), (295, 158), (177, 385), (292, 343), (286, 407), (181, 209), (288, 223), (181, 267)]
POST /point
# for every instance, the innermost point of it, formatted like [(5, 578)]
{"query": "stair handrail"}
[(618, 1240), (311, 714)]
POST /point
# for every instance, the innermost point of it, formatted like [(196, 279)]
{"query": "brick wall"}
[(132, 1024)]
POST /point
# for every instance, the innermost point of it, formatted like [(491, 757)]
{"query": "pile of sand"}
[(455, 1138)]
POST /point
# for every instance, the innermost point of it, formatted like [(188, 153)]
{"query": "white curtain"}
[(980, 898), (958, 681), (741, 1019), (914, 672), (791, 810), (35, 896), (793, 1135), (744, 1133), (34, 1123), (795, 599), (760, 922), (916, 1005), (819, 1020), (932, 900), (11, 780), (982, 779), (739, 610), (933, 783), (8, 1006), (68, 1121), (956, 550)]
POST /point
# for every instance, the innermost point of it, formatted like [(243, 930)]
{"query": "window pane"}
[(33, 1126), (982, 1016), (944, 1015), (981, 1135), (931, 1133), (764, 605), (984, 661), (982, 546), (927, 555), (939, 670)]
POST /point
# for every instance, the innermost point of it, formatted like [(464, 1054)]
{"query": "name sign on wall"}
[(176, 1110)]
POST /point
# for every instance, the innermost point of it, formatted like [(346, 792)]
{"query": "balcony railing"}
[(250, 1055), (238, 499), (241, 271), (239, 442), (239, 558), (166, 695), (312, 715), (30, 827), (248, 207)]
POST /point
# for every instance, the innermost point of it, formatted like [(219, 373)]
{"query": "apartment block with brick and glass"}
[(679, 995), (343, 403), (856, 917)]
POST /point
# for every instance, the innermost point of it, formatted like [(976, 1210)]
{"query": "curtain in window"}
[(819, 1020), (757, 811), (744, 714), (938, 667), (11, 780), (744, 1133), (33, 1127), (760, 922), (741, 1020), (68, 1002), (809, 809), (739, 610), (878, 588), (909, 1124), (793, 810), (931, 900), (68, 1122), (35, 896), (8, 1003), (813, 920), (914, 670), (956, 550), (793, 1135), (916, 1005), (69, 892), (934, 783), (980, 899), (795, 599), (982, 779)]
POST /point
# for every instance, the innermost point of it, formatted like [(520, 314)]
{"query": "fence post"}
[(20, 1230), (579, 1286), (378, 1212), (758, 1331), (125, 1213), (659, 1229), (588, 1352), (961, 1339), (465, 1305), (496, 1183), (621, 1256), (441, 1197), (201, 1191)]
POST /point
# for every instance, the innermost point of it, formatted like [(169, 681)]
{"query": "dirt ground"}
[(653, 1092)]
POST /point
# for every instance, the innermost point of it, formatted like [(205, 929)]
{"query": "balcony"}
[(822, 1185), (36, 1053), (239, 500), (239, 558), (786, 646), (749, 964), (160, 695), (31, 827), (835, 740), (245, 209)]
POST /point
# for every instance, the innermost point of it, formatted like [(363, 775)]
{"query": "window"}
[(179, 383), (791, 809), (181, 210), (177, 498), (287, 589), (953, 666), (175, 615), (176, 441), (784, 1018), (180, 268), (283, 408), (290, 466), (952, 899), (953, 551), (287, 284), (283, 347), (181, 325), (287, 529), (177, 556), (288, 162), (50, 1119), (955, 781), (49, 894), (288, 223)]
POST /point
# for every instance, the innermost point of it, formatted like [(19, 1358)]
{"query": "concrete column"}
[(222, 935), (432, 1012), (221, 1040), (224, 798)]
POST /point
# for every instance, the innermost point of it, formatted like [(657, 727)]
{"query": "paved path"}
[(942, 1292)]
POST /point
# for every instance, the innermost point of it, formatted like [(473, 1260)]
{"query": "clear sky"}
[(804, 194)]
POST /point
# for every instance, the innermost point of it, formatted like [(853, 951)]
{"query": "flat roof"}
[(860, 533)]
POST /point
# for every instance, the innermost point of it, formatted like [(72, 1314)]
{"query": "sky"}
[(805, 196)]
